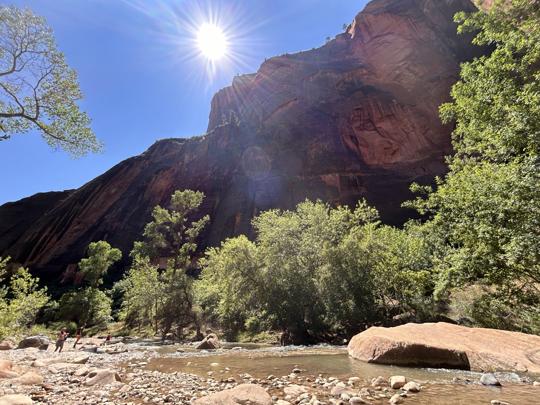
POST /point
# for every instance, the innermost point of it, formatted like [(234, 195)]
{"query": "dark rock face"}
[(16, 217), (356, 118)]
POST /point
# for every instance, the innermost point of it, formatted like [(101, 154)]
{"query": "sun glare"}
[(211, 41)]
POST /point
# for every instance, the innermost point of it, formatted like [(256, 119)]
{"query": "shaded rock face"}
[(444, 345), (356, 118)]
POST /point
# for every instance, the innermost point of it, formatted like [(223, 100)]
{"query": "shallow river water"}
[(440, 386)]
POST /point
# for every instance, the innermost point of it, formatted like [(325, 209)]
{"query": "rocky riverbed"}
[(137, 373)]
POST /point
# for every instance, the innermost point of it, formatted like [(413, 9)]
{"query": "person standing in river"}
[(78, 337), (62, 336)]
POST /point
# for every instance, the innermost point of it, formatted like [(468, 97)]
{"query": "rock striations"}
[(356, 118)]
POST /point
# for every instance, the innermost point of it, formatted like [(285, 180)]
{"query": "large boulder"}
[(210, 342), (241, 394), (6, 369), (73, 359), (29, 378), (6, 345), (449, 346), (39, 341), (16, 399)]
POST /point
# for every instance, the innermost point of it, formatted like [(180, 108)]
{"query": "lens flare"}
[(211, 41)]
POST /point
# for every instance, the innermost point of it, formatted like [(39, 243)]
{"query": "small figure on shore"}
[(78, 337), (62, 336), (285, 337), (108, 338)]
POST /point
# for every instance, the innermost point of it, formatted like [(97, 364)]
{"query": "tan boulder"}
[(397, 381), (210, 342), (6, 365), (241, 394), (56, 368), (449, 346), (294, 390), (6, 345), (29, 378), (6, 369), (16, 399), (412, 386), (73, 359), (82, 371), (102, 377), (396, 399)]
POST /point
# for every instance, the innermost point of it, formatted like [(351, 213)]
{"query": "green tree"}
[(486, 212), (38, 90), (20, 299), (229, 285), (318, 272), (292, 248), (143, 294), (89, 305), (171, 236), (86, 307), (101, 256)]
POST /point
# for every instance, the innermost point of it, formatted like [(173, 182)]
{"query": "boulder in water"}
[(446, 345), (210, 342), (489, 379), (397, 381), (412, 386)]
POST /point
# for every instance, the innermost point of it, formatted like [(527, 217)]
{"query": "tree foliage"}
[(20, 299), (38, 90), (317, 272), (171, 236), (101, 256), (88, 306), (486, 212)]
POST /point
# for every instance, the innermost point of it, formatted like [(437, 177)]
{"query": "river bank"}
[(148, 372)]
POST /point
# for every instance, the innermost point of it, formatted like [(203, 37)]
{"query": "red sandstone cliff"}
[(356, 118)]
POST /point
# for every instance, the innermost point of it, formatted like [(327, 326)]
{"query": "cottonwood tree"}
[(38, 90), (90, 305), (170, 237)]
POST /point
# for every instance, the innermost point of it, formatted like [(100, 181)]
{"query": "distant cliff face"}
[(356, 118)]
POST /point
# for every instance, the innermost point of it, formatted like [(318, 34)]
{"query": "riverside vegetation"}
[(323, 273)]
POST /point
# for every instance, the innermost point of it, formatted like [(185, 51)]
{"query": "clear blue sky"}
[(141, 79)]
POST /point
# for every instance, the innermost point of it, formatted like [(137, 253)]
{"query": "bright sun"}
[(211, 41)]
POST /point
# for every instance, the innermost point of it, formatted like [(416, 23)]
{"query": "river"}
[(439, 386)]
